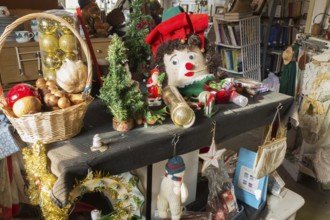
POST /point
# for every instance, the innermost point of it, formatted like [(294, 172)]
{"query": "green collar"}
[(196, 87)]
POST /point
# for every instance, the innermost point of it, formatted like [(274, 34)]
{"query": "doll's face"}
[(183, 66)]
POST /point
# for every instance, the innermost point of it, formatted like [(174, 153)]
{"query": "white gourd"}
[(72, 76)]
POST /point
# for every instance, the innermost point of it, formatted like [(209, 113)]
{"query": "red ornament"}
[(142, 24), (19, 91), (222, 96)]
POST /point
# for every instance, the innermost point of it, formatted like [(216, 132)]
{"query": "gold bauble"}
[(70, 56), (67, 43), (64, 28), (52, 61), (47, 26), (48, 43), (50, 74)]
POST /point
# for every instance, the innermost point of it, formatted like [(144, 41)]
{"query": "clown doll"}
[(181, 50)]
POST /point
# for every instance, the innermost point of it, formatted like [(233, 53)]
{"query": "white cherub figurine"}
[(173, 191)]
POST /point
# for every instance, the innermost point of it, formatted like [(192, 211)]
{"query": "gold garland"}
[(41, 182), (121, 190)]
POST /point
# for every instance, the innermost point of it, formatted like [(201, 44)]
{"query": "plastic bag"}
[(221, 200), (272, 82)]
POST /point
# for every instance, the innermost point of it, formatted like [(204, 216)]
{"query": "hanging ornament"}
[(48, 43), (67, 43), (213, 155), (221, 199), (173, 191), (52, 61), (47, 26)]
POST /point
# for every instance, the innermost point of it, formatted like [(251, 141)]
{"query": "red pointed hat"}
[(177, 24)]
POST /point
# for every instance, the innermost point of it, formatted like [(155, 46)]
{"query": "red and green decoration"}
[(139, 51)]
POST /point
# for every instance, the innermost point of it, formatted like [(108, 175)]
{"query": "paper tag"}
[(246, 181)]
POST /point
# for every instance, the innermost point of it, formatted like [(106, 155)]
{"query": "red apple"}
[(19, 91)]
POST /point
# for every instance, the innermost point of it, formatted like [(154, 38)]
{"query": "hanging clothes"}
[(288, 81)]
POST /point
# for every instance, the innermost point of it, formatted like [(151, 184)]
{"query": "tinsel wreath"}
[(121, 190), (41, 182)]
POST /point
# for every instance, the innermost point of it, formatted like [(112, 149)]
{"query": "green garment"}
[(288, 79), (289, 75), (194, 89)]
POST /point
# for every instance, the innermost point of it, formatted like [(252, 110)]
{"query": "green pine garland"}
[(119, 92), (139, 52)]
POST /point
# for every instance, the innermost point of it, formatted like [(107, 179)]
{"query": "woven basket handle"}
[(83, 44)]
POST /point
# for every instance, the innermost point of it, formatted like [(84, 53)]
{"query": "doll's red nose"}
[(189, 66)]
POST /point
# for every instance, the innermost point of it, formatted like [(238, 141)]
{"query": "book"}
[(229, 59), (232, 35), (227, 35), (237, 15), (237, 60), (218, 35)]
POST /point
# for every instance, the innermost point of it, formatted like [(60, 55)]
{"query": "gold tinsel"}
[(95, 182), (41, 182)]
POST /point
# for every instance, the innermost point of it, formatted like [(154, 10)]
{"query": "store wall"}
[(24, 4)]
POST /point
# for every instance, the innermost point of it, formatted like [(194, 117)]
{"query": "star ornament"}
[(211, 157)]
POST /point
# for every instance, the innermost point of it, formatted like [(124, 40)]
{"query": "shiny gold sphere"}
[(47, 26), (70, 56), (67, 43), (52, 61), (50, 74), (64, 28), (48, 43)]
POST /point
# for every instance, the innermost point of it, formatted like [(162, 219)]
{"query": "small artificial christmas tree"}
[(119, 92), (139, 51)]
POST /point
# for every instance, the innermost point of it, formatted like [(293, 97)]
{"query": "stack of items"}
[(238, 9), (4, 22)]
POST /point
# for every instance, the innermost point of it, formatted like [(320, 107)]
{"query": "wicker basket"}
[(55, 125)]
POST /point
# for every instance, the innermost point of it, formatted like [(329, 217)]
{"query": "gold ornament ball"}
[(70, 56), (52, 61), (64, 28), (50, 74), (47, 26), (48, 43), (67, 43)]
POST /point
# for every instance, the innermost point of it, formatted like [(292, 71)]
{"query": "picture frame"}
[(219, 9), (258, 6)]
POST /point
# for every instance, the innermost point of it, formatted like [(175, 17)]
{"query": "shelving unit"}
[(238, 42), (279, 26)]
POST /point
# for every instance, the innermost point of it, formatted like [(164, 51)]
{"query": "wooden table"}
[(142, 146)]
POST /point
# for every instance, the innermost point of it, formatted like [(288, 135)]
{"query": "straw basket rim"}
[(50, 126)]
